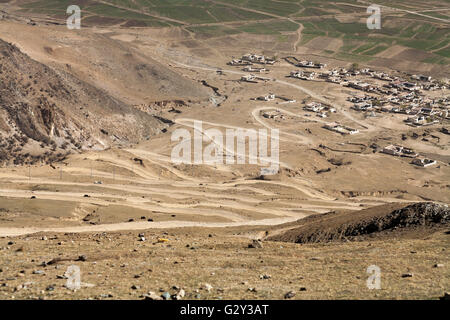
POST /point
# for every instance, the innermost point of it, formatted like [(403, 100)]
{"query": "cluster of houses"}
[(272, 96), (254, 69), (253, 79), (421, 111), (338, 75), (423, 162), (320, 109), (275, 115), (394, 94), (310, 64), (344, 130), (428, 83), (239, 62), (394, 85), (421, 120), (251, 58), (303, 75), (400, 151), (255, 58)]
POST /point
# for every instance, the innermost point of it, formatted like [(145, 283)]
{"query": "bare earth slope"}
[(390, 220), (40, 105)]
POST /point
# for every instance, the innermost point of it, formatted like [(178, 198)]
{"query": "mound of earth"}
[(45, 112), (391, 220)]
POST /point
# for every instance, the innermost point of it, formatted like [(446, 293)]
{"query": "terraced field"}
[(406, 24)]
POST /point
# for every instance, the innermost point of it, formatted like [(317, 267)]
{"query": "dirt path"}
[(299, 37), (130, 226)]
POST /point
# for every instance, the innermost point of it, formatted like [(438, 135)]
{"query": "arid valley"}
[(358, 134)]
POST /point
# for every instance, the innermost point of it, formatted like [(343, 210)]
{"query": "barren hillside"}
[(385, 221), (46, 112)]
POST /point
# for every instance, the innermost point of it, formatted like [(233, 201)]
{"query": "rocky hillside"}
[(45, 112), (392, 220)]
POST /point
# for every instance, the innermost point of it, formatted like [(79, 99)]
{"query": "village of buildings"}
[(381, 93)]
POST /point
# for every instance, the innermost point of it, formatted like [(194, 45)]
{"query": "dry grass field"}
[(193, 257)]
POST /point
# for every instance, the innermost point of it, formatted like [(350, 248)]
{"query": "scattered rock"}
[(207, 287), (407, 275), (256, 244), (446, 296), (438, 265), (166, 296), (26, 285), (180, 295), (289, 295), (82, 258), (265, 276), (151, 296), (302, 289), (38, 272), (135, 287)]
